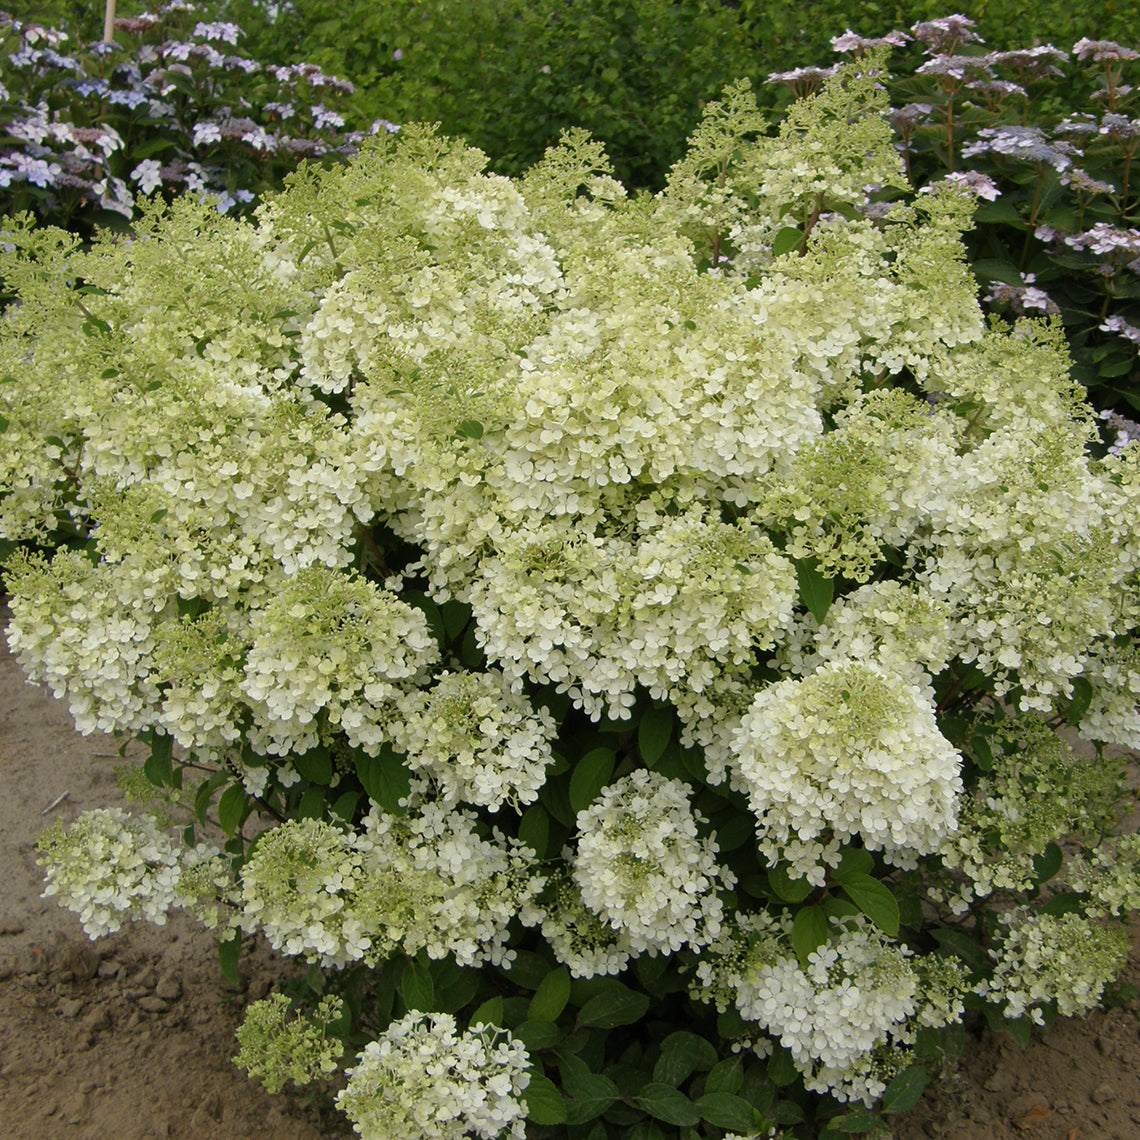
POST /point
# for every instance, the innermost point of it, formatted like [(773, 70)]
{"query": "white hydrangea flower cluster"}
[(425, 880), (109, 865), (421, 1080), (332, 645), (1044, 958), (478, 741), (599, 616), (581, 940), (1037, 792), (863, 486), (71, 631), (899, 626), (845, 1016), (642, 867), (1023, 552), (850, 750), (1110, 876)]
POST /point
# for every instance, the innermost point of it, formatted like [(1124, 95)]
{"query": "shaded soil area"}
[(131, 1037)]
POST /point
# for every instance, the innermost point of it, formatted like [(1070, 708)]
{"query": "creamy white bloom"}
[(642, 866), (850, 750), (421, 1080)]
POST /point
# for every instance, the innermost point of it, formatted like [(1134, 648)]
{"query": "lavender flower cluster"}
[(170, 106)]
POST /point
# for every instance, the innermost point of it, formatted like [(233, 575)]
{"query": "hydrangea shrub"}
[(621, 639)]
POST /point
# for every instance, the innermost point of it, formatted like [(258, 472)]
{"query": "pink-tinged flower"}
[(965, 67), (398, 54), (1025, 299), (1029, 144), (1081, 181), (1032, 63), (260, 139), (943, 35), (972, 181), (323, 117), (1103, 51), (853, 42)]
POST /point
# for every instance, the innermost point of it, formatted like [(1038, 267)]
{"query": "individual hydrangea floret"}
[(643, 868), (422, 1080)]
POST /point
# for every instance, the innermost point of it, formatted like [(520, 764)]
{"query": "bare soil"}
[(130, 1037)]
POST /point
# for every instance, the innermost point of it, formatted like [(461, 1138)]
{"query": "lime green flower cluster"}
[(582, 578), (279, 1046)]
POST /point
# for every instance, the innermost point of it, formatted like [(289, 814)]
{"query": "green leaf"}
[(158, 767), (416, 987), (816, 591), (785, 887), (345, 806), (232, 808), (617, 1005), (590, 776), (989, 269), (999, 211), (528, 970), (1048, 863), (1081, 699), (229, 958), (544, 1103), (809, 932), (489, 1013), (859, 1121), (853, 860), (588, 1094), (682, 1054), (724, 1110), (385, 778), (315, 765), (471, 429), (455, 617), (982, 752), (669, 1104), (206, 792), (653, 734), (536, 1035), (312, 804), (961, 945), (782, 1069), (534, 829), (726, 1076), (875, 900), (905, 1091), (551, 996), (787, 240)]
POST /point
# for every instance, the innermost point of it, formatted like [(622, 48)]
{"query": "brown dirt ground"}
[(131, 1037)]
